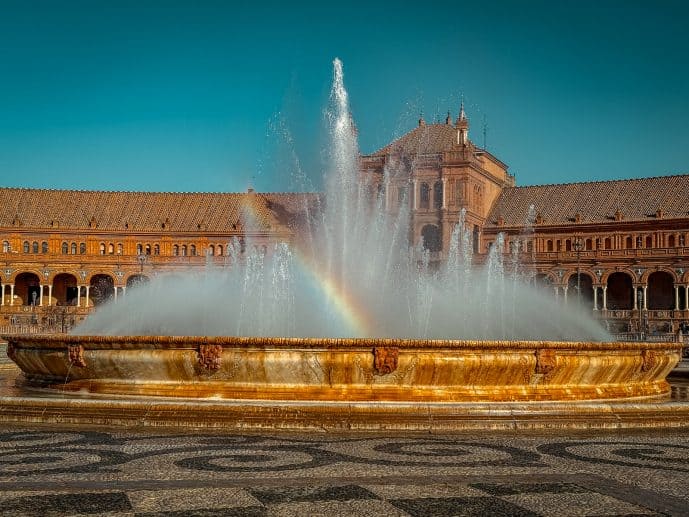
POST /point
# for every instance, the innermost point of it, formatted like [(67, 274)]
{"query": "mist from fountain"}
[(351, 274)]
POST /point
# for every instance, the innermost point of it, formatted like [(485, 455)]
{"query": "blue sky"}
[(217, 95)]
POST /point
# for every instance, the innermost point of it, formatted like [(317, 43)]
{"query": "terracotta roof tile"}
[(595, 201), (141, 211), (426, 139)]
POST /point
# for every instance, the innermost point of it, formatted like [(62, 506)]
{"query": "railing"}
[(649, 337), (31, 329)]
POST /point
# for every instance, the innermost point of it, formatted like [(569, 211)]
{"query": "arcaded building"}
[(620, 248)]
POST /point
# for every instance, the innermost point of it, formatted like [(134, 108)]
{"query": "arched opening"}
[(431, 238), (44, 247), (589, 244), (27, 289), (139, 249), (111, 249), (192, 250), (438, 195), (119, 249), (671, 241), (184, 250), (156, 249), (102, 289), (568, 245), (5, 246), (65, 289), (620, 293), (211, 250), (542, 281), (649, 241), (82, 248), (628, 243), (219, 250), (65, 248), (425, 195), (175, 250), (549, 245), (147, 249), (580, 290), (101, 248), (25, 247), (661, 291), (608, 243), (135, 281), (34, 247)]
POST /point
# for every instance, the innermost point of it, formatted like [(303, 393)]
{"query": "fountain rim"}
[(158, 341)]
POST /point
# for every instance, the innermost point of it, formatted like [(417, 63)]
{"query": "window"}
[(119, 248), (74, 249), (568, 245), (34, 247), (681, 240), (211, 250), (111, 249), (549, 245), (628, 243), (219, 250), (44, 247), (139, 249), (65, 248), (102, 248), (671, 241), (608, 243), (26, 246), (589, 244), (639, 241), (82, 248), (425, 196), (5, 246), (649, 241), (438, 195), (192, 250), (175, 250), (184, 250), (148, 249), (401, 194), (156, 249), (559, 245)]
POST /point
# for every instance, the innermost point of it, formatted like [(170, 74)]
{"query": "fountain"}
[(374, 335)]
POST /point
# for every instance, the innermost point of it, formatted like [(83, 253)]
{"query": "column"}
[(11, 294), (88, 287), (677, 298), (50, 295), (2, 294), (557, 292), (686, 297), (645, 298), (595, 298), (78, 296), (40, 295), (565, 293), (387, 195), (605, 297), (116, 289), (444, 193), (416, 194), (124, 291), (635, 304)]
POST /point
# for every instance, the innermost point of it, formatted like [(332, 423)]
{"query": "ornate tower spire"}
[(462, 126)]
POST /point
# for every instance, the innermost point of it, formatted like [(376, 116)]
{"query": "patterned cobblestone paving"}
[(55, 471)]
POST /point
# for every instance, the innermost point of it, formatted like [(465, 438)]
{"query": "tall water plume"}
[(354, 274)]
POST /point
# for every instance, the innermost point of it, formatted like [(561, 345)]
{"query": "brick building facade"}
[(621, 247)]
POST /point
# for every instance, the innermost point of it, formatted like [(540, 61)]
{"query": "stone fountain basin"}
[(402, 370)]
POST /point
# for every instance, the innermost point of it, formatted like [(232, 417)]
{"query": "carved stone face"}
[(385, 360)]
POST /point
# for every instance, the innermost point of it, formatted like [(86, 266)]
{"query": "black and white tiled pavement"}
[(47, 471)]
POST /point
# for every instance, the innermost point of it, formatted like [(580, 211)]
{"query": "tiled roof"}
[(136, 211), (424, 139), (595, 202)]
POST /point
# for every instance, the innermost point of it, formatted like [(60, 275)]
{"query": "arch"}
[(620, 292), (147, 249), (661, 291), (34, 247), (543, 280), (73, 248), (580, 289), (27, 288), (102, 288), (137, 280), (65, 289), (438, 195), (211, 250), (219, 250), (431, 238), (424, 196), (65, 248), (25, 247), (111, 249), (184, 250), (101, 248), (44, 247)]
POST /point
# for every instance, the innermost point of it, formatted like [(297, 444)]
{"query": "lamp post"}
[(141, 258), (578, 244)]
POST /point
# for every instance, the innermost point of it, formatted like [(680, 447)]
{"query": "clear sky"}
[(204, 95)]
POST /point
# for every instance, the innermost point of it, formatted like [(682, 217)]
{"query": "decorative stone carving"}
[(649, 360), (209, 356), (75, 353), (545, 361), (385, 360)]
